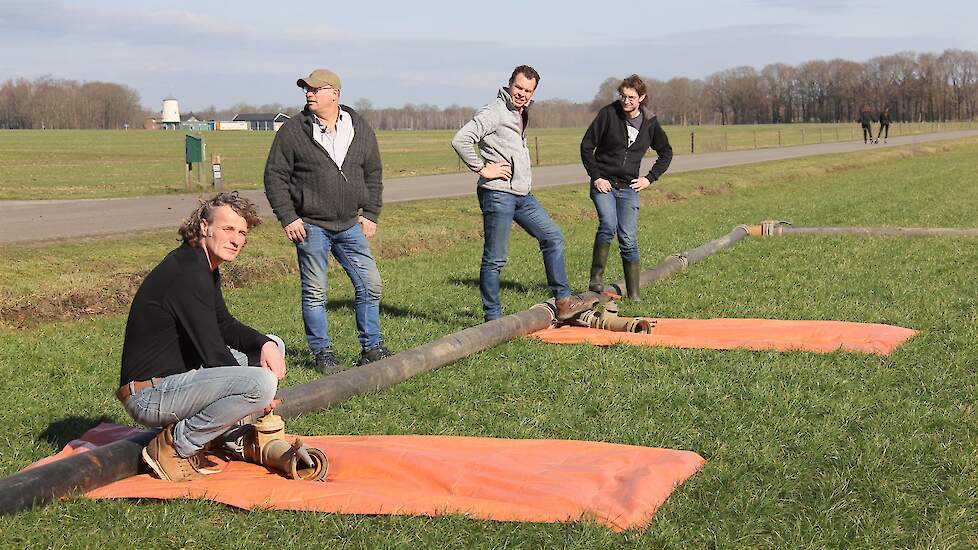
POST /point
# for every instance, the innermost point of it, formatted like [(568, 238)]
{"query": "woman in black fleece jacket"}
[(612, 151)]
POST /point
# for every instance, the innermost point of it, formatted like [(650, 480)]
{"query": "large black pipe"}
[(90, 470), (72, 475)]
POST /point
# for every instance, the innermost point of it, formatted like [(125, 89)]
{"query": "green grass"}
[(804, 450), (63, 164)]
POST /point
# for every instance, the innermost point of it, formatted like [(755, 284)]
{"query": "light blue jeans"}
[(203, 403), (499, 210), (352, 250), (618, 213)]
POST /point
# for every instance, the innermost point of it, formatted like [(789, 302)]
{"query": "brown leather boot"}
[(633, 275), (164, 461), (599, 259), (571, 306)]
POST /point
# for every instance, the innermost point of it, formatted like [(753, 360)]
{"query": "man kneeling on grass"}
[(185, 360)]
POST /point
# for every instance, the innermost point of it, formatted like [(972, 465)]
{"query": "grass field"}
[(37, 164), (804, 450)]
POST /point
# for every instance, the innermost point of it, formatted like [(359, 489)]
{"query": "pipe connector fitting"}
[(266, 445)]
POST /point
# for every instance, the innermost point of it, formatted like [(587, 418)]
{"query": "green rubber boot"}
[(633, 274), (599, 259)]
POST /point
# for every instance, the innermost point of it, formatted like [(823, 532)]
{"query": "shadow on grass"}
[(60, 432), (445, 317), (503, 285)]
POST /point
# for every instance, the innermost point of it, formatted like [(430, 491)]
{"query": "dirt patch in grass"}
[(113, 297), (116, 291)]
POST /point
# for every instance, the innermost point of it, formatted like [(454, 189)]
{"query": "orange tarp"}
[(620, 486), (753, 334)]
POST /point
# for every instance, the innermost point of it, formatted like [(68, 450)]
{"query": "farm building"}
[(263, 121)]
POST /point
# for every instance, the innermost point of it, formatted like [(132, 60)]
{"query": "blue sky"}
[(440, 52)]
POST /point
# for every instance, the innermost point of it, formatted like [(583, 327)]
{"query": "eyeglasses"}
[(624, 97), (317, 90)]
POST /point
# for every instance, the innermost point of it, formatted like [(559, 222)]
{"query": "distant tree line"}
[(59, 104), (915, 87)]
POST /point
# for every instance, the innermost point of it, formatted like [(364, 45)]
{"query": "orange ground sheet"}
[(620, 486), (753, 334)]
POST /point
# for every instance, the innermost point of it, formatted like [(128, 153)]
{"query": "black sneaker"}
[(327, 362), (373, 354)]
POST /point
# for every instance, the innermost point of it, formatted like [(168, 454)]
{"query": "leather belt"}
[(134, 387)]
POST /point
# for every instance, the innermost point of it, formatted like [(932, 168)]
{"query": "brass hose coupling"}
[(606, 318), (265, 444)]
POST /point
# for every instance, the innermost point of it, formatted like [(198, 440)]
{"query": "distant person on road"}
[(866, 121), (185, 358), (504, 192), (324, 182), (885, 120), (612, 151)]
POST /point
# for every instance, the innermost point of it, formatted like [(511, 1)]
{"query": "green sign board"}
[(194, 149)]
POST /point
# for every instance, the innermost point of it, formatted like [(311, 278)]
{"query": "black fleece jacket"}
[(302, 181), (605, 151), (178, 321)]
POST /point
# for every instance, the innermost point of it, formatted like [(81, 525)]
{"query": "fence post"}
[(726, 145), (692, 143), (536, 141)]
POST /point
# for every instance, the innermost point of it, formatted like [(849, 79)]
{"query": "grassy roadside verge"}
[(804, 450)]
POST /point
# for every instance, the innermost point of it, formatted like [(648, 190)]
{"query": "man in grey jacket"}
[(324, 182), (499, 131)]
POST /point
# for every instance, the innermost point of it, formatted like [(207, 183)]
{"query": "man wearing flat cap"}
[(323, 179)]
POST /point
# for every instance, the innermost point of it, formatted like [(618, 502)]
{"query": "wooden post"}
[(216, 168), (692, 143), (536, 143)]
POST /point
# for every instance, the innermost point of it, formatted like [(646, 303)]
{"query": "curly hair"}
[(190, 229), (636, 83)]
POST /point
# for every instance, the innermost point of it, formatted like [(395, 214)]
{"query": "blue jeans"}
[(203, 403), (618, 213), (352, 251), (499, 211)]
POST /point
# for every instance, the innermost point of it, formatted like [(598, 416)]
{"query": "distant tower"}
[(171, 113)]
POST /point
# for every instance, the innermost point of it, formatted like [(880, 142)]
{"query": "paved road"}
[(25, 221)]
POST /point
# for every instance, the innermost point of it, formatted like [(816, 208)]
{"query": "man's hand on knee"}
[(271, 359)]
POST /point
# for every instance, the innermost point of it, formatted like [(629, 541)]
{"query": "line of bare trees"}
[(915, 87), (60, 104)]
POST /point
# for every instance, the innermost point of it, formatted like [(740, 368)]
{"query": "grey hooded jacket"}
[(500, 132)]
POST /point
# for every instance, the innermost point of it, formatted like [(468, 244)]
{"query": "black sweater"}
[(178, 321), (605, 151), (301, 179)]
